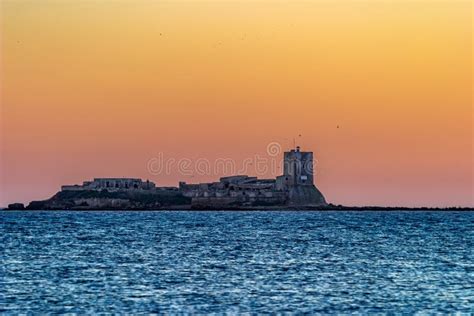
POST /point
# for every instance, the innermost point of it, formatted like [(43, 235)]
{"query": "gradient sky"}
[(98, 88)]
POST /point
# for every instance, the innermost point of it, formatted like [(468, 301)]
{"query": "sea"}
[(216, 262)]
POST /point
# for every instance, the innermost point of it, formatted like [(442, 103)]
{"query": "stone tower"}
[(298, 179), (298, 167)]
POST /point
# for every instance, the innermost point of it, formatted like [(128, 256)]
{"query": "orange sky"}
[(98, 88)]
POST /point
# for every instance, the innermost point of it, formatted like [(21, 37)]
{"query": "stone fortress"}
[(294, 188)]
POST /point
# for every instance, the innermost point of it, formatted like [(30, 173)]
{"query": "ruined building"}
[(294, 187), (111, 184)]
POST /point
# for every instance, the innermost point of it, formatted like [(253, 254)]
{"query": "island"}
[(293, 189)]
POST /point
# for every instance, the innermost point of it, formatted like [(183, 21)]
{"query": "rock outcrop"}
[(16, 206), (307, 195), (118, 200)]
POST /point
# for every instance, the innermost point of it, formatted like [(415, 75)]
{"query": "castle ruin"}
[(111, 184), (295, 187)]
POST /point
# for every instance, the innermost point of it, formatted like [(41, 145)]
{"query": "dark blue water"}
[(329, 262)]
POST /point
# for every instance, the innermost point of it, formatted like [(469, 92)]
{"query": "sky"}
[(380, 91)]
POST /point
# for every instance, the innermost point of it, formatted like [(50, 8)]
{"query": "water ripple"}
[(234, 262)]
